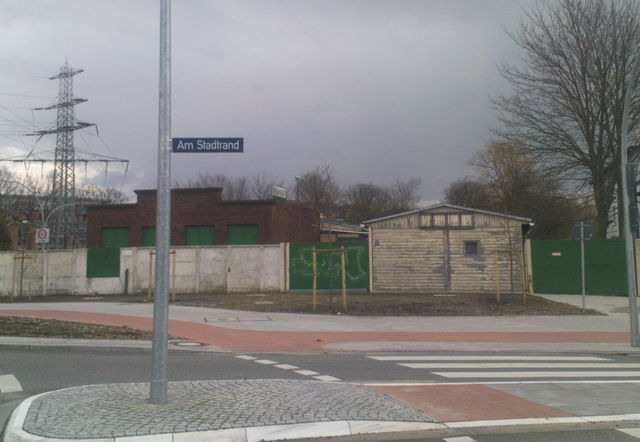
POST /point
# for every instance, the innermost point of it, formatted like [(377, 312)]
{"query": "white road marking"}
[(9, 384), (297, 370), (307, 372), (538, 374), (519, 365), (487, 358), (286, 366), (459, 439), (326, 378), (635, 432), (554, 381)]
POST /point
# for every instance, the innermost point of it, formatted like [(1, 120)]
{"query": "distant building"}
[(199, 216), (446, 249), (337, 230), (24, 216)]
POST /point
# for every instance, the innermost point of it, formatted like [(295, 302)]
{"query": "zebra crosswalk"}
[(520, 367)]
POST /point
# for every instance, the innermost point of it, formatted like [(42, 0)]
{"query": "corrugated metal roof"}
[(451, 206)]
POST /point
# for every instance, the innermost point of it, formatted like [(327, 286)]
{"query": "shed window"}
[(471, 248), (455, 220), (466, 220)]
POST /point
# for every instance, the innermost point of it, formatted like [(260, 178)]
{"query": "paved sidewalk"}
[(262, 332), (253, 410), (212, 410)]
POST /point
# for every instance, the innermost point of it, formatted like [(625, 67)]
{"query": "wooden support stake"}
[(173, 281), (344, 279), (523, 278), (495, 254), (314, 300), (173, 271), (150, 274), (13, 279)]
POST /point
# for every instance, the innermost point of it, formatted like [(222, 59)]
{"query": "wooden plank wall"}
[(406, 258)]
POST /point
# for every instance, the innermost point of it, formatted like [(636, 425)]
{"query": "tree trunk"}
[(602, 203)]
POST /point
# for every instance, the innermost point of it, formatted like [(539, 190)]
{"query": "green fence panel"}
[(328, 264), (556, 267), (606, 267), (103, 263)]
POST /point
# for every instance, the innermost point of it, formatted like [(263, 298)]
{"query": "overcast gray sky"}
[(377, 90)]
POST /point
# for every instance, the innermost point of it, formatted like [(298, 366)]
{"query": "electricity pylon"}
[(66, 224)]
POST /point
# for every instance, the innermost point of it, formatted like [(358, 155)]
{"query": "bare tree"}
[(319, 188), (567, 101), (365, 201), (510, 181), (102, 195), (261, 186), (403, 195), (469, 192)]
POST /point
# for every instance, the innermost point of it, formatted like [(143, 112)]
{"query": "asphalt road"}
[(46, 370)]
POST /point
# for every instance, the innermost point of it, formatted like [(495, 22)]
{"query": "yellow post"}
[(150, 274), (173, 281), (314, 300), (524, 280), (13, 279), (497, 277), (344, 279)]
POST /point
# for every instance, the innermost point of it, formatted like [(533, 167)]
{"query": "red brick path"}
[(254, 340), (449, 403)]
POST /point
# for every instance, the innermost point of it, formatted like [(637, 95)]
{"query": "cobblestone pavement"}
[(115, 410)]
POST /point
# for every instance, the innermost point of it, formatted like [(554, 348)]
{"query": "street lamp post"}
[(159, 344), (44, 221), (632, 289)]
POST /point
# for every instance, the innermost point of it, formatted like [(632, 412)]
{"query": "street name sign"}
[(206, 145)]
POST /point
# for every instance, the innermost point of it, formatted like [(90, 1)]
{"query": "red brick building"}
[(199, 216)]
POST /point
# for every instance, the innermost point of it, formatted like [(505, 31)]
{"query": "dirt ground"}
[(366, 304), (359, 303), (51, 328)]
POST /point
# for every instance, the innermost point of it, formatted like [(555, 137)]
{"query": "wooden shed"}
[(446, 249)]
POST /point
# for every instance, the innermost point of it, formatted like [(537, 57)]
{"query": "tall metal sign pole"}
[(158, 388), (632, 288)]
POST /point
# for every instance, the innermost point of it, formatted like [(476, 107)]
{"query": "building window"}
[(199, 235), (471, 248), (246, 234)]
